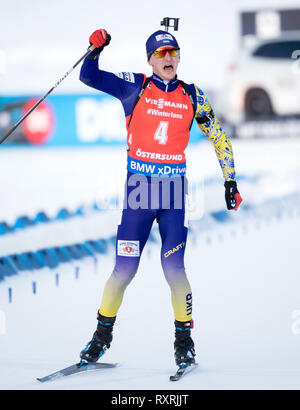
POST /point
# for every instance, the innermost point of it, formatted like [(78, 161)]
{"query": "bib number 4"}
[(161, 133)]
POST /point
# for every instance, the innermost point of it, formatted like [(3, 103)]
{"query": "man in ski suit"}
[(159, 112)]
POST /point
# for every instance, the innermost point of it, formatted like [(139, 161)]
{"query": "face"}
[(165, 67)]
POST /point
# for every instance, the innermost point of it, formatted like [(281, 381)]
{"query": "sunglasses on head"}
[(161, 53)]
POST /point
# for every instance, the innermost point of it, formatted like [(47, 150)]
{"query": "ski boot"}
[(101, 339), (184, 351)]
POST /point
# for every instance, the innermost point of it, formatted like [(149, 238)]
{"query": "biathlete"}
[(159, 111)]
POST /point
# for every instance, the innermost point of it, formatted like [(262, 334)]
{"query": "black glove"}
[(232, 196)]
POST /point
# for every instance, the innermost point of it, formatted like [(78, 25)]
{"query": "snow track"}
[(244, 274)]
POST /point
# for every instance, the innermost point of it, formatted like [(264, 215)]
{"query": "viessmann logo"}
[(161, 103)]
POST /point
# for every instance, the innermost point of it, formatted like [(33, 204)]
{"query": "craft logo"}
[(176, 249), (128, 248), (189, 304)]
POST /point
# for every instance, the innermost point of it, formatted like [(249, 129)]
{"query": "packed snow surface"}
[(244, 273)]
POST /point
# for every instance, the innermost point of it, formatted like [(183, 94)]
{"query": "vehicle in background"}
[(263, 83)]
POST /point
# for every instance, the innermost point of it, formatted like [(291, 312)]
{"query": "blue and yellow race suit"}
[(157, 135)]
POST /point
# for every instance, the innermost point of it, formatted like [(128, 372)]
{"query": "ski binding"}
[(183, 369)]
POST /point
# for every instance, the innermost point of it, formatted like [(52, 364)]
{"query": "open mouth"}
[(168, 67)]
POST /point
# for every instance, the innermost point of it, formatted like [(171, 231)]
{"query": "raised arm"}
[(124, 86)]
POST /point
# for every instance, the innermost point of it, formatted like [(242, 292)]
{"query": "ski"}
[(183, 369), (82, 366)]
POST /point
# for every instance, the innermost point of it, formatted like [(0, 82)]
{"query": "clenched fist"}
[(100, 39)]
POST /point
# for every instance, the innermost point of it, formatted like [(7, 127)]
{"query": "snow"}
[(244, 273)]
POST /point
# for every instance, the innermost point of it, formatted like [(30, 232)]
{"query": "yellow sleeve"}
[(210, 126)]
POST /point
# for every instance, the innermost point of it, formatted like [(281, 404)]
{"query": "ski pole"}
[(12, 129)]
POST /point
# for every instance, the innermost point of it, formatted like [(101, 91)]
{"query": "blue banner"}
[(67, 120)]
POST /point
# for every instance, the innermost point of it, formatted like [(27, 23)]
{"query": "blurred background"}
[(62, 174)]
